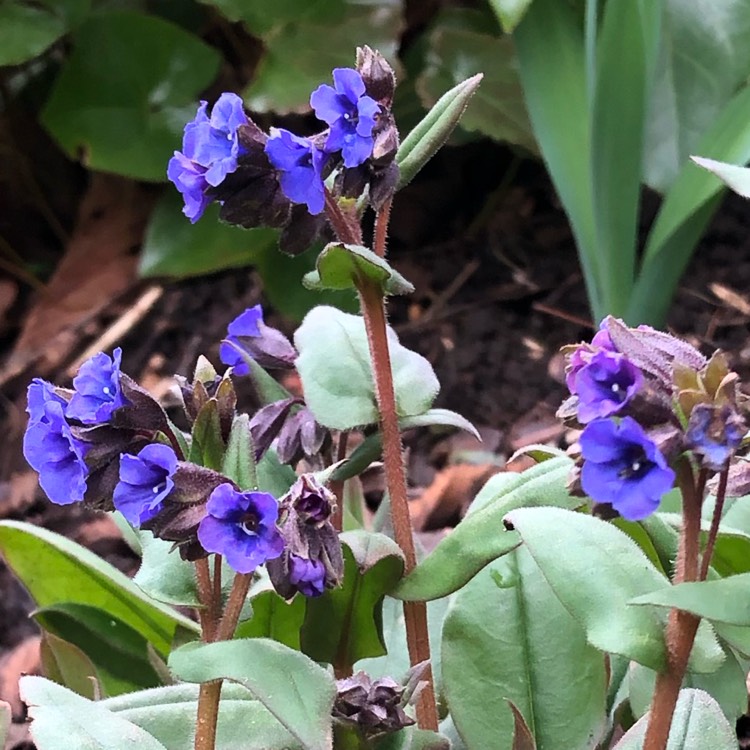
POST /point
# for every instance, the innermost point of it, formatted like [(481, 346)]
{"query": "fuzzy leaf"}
[(239, 459)]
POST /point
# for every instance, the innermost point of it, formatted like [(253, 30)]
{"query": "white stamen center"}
[(157, 489), (106, 390), (615, 388), (635, 466)]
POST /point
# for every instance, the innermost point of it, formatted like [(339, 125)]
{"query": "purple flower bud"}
[(308, 576), (583, 353), (313, 502), (623, 467), (300, 164), (98, 392), (267, 346), (714, 433), (242, 527), (145, 480), (51, 448), (605, 385), (350, 113), (210, 149)]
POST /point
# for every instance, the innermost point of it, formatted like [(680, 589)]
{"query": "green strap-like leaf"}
[(737, 178)]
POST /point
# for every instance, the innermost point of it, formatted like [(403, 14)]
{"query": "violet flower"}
[(350, 113), (714, 433), (605, 385), (145, 480), (242, 527), (97, 389), (308, 576), (210, 150), (623, 467), (51, 449), (300, 164)]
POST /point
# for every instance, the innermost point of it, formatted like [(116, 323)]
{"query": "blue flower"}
[(145, 480), (245, 324), (300, 164), (350, 114), (51, 449), (242, 527), (714, 433), (308, 576), (210, 150), (623, 467), (97, 389), (605, 385)]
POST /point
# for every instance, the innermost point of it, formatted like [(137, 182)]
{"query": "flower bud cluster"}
[(644, 398), (277, 179)]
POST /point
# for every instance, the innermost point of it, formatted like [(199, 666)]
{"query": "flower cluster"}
[(263, 179), (644, 398)]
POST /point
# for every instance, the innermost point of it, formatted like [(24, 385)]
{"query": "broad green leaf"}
[(737, 178), (68, 666), (293, 688), (26, 29), (119, 653), (697, 724), (175, 247), (462, 44), (163, 575), (63, 720), (480, 537), (300, 56), (704, 58), (340, 392), (169, 713), (56, 570), (263, 18), (506, 637), (596, 571), (726, 686), (345, 624), (625, 61), (274, 618), (430, 133), (339, 266), (395, 663), (125, 112), (412, 738), (550, 48), (273, 476), (724, 600), (239, 459), (510, 12)]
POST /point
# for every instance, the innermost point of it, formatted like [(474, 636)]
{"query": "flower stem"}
[(715, 521), (337, 486), (681, 626), (236, 600)]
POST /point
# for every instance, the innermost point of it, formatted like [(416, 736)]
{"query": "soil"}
[(482, 237)]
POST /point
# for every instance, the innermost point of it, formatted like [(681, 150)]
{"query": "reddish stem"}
[(337, 486), (715, 521)]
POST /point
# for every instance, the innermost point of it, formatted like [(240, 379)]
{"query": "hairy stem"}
[(681, 626), (236, 600), (337, 486), (715, 521)]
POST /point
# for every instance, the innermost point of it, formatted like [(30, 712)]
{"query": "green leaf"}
[(345, 624), (168, 713), (175, 247), (704, 60), (724, 600), (239, 459), (207, 446), (300, 56), (596, 571), (429, 135), (412, 738), (119, 653), (737, 178), (293, 688), (726, 686), (125, 112), (163, 575), (62, 720), (28, 28), (507, 637), (480, 537), (274, 618), (273, 476), (461, 45), (339, 266), (56, 570), (697, 723), (340, 391), (625, 61), (68, 666), (510, 12), (263, 18), (550, 47)]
